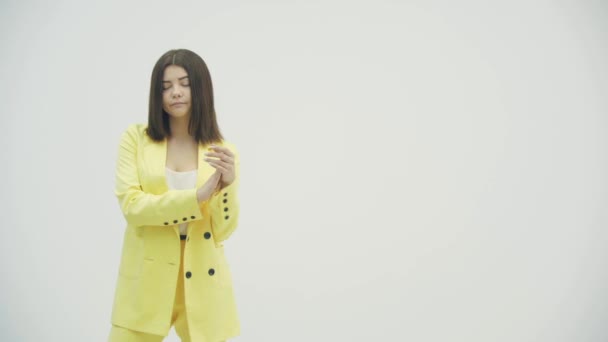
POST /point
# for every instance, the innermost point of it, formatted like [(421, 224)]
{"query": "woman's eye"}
[(183, 85)]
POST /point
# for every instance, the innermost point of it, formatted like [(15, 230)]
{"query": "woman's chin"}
[(179, 113)]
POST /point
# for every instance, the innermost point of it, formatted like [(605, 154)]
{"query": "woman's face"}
[(176, 91)]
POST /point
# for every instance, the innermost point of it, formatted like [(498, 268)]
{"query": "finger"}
[(226, 166), (217, 161), (224, 149), (218, 167), (222, 156)]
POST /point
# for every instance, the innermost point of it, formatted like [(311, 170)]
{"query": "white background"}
[(410, 170)]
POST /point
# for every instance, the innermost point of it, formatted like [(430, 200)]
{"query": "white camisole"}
[(180, 180)]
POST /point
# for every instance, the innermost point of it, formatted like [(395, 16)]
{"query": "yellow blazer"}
[(149, 265)]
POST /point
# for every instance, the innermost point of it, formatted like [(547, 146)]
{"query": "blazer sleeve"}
[(144, 209), (224, 205)]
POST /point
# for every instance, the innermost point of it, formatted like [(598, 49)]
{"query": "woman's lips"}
[(178, 104)]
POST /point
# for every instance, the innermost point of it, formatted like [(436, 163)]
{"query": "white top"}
[(180, 180)]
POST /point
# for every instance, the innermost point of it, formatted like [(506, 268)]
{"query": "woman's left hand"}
[(225, 163)]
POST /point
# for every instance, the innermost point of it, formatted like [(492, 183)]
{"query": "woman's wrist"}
[(202, 195)]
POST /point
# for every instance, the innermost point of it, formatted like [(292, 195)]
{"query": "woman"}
[(179, 210)]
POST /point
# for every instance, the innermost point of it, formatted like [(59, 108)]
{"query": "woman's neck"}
[(179, 129)]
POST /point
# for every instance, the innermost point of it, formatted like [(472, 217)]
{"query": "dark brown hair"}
[(203, 123)]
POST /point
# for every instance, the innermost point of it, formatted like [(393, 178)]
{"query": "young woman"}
[(178, 210)]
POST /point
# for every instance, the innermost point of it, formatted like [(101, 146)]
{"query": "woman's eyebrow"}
[(181, 78)]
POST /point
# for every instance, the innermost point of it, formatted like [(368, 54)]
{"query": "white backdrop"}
[(411, 170)]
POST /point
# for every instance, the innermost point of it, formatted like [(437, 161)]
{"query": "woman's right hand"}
[(211, 185)]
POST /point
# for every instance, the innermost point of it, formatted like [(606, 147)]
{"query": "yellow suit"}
[(150, 260)]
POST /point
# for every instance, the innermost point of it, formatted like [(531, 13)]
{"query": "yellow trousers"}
[(178, 318)]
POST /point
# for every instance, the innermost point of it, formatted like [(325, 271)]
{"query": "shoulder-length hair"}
[(203, 122)]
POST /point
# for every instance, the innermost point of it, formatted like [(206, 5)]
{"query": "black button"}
[(166, 223), (226, 217), (225, 200), (188, 274), (207, 235), (174, 221), (185, 218), (211, 271), (225, 194), (193, 217), (225, 209)]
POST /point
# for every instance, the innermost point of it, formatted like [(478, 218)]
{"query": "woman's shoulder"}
[(133, 134), (135, 130)]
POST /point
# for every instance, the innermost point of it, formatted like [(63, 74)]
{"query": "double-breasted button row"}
[(211, 272), (183, 219), (226, 207), (207, 236)]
